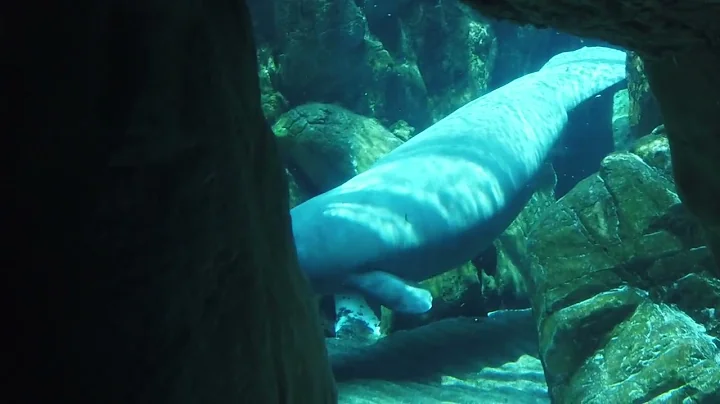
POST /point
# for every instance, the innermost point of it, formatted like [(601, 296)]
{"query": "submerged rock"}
[(643, 109), (453, 49), (609, 263), (273, 103), (654, 149), (657, 354), (329, 144), (321, 48), (622, 136), (391, 60)]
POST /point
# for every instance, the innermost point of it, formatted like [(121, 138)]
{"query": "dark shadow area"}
[(524, 49), (587, 140), (447, 346)]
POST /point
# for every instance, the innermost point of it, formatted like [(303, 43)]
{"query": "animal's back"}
[(443, 196)]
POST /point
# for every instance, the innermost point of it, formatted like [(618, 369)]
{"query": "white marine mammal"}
[(441, 198)]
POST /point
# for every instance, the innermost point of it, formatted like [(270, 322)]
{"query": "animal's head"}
[(334, 238), (309, 245), (319, 240)]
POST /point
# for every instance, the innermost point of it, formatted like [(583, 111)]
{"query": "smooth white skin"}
[(442, 197)]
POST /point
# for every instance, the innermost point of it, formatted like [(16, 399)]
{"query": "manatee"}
[(442, 197)]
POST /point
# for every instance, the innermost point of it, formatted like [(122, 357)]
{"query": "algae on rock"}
[(417, 63), (604, 263), (329, 144), (644, 112)]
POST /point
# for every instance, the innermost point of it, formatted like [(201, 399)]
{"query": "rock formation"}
[(396, 61), (622, 288), (620, 283), (152, 259)]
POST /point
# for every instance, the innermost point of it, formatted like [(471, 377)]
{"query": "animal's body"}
[(441, 198)]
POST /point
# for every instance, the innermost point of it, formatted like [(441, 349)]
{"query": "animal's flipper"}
[(391, 291)]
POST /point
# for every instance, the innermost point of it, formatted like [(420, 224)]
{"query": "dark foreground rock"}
[(151, 256)]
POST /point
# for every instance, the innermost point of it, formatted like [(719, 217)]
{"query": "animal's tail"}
[(587, 54), (585, 72)]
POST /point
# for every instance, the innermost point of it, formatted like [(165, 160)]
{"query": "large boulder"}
[(613, 265), (322, 48), (643, 109), (328, 144), (151, 259), (452, 48), (411, 64), (691, 115)]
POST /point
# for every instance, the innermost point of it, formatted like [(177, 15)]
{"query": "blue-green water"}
[(603, 250)]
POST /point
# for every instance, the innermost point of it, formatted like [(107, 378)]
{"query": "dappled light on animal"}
[(443, 196)]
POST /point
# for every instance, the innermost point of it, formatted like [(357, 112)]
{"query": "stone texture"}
[(153, 259), (329, 144), (415, 63), (654, 149), (609, 264), (653, 26), (691, 113), (297, 193), (273, 102), (644, 112), (622, 132), (452, 48), (316, 40), (657, 355)]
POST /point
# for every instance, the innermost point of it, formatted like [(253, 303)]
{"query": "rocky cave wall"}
[(152, 259)]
